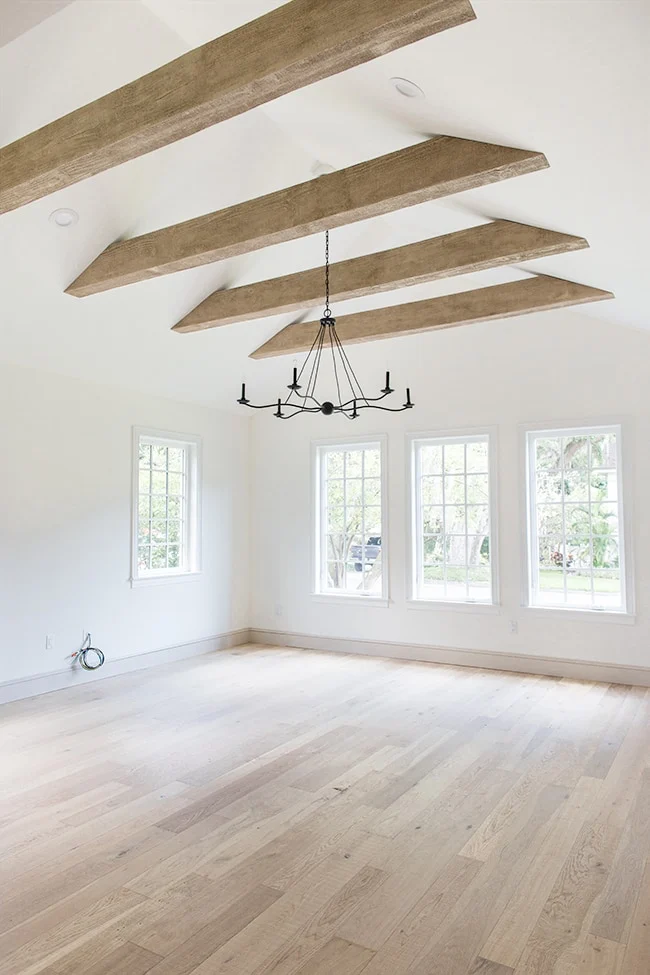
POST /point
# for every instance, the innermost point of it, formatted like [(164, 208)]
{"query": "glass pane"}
[(576, 453), (353, 463), (159, 506), (432, 550), (145, 455), (354, 518), (144, 480), (159, 457), (336, 547), (372, 520), (549, 519), (576, 485), (478, 550), (478, 488), (456, 552), (431, 490), (551, 580), (335, 519), (174, 508), (158, 482), (158, 556), (576, 519), (176, 460), (334, 464), (578, 581), (549, 487), (143, 507), (478, 519), (433, 573), (454, 519), (174, 532), (551, 552), (603, 451), (159, 532), (432, 520), (455, 489), (175, 483), (334, 493), (144, 557), (578, 552), (372, 491), (547, 453), (604, 486), (335, 575), (605, 552), (607, 588), (353, 577), (173, 557), (477, 457), (353, 491), (372, 463), (604, 518), (144, 533), (431, 459), (454, 458)]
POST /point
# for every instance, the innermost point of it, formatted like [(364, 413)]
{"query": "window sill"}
[(580, 615), (379, 602), (164, 580), (449, 606)]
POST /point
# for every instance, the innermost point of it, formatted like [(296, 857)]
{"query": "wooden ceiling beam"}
[(438, 167), (532, 294), (475, 249), (292, 46)]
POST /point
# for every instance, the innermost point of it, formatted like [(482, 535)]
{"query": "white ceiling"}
[(19, 16), (566, 77)]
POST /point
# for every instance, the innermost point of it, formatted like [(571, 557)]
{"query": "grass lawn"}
[(553, 580)]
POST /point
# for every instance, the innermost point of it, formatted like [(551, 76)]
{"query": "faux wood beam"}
[(475, 249), (293, 46), (537, 293), (438, 167)]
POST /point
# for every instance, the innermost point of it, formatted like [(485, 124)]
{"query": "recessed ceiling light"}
[(64, 217), (407, 88)]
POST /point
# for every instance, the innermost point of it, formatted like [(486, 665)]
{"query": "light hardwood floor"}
[(283, 812)]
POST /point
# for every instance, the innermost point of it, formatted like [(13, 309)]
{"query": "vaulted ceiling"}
[(568, 79)]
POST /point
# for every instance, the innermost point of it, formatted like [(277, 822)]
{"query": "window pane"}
[(432, 520), (478, 518), (350, 530), (577, 536), (454, 458), (455, 519), (433, 550), (162, 518), (431, 490), (372, 463), (478, 489), (477, 457), (455, 489), (431, 459)]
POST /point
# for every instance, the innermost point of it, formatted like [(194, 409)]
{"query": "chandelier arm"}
[(386, 409), (369, 400), (348, 369), (313, 345)]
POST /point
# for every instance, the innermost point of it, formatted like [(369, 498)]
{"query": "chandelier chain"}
[(328, 311)]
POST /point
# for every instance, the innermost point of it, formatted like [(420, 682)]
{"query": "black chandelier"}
[(351, 399)]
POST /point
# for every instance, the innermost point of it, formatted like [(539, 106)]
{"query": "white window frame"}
[(530, 555), (192, 545), (466, 435), (318, 449)]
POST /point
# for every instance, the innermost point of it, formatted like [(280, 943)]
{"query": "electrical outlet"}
[(49, 641), (514, 626)]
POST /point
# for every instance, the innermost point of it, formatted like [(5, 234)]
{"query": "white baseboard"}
[(487, 659), (44, 683)]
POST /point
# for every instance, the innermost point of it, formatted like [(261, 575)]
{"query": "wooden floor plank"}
[(297, 813)]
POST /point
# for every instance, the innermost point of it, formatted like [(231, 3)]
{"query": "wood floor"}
[(278, 812)]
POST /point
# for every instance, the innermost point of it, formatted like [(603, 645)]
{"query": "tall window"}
[(166, 481), (452, 535), (350, 535), (575, 519)]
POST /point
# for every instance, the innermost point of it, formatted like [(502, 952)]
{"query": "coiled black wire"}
[(81, 655)]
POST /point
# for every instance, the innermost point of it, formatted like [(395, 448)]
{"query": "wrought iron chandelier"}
[(350, 397)]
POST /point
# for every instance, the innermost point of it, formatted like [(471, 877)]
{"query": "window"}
[(166, 505), (452, 519), (350, 530), (575, 536)]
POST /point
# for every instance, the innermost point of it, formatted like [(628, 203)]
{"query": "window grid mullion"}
[(591, 524), (444, 522), (466, 522)]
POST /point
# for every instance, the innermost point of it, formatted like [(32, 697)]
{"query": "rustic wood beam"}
[(438, 167), (475, 249), (536, 293), (292, 46)]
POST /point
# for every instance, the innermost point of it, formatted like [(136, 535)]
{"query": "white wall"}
[(65, 524), (557, 367)]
